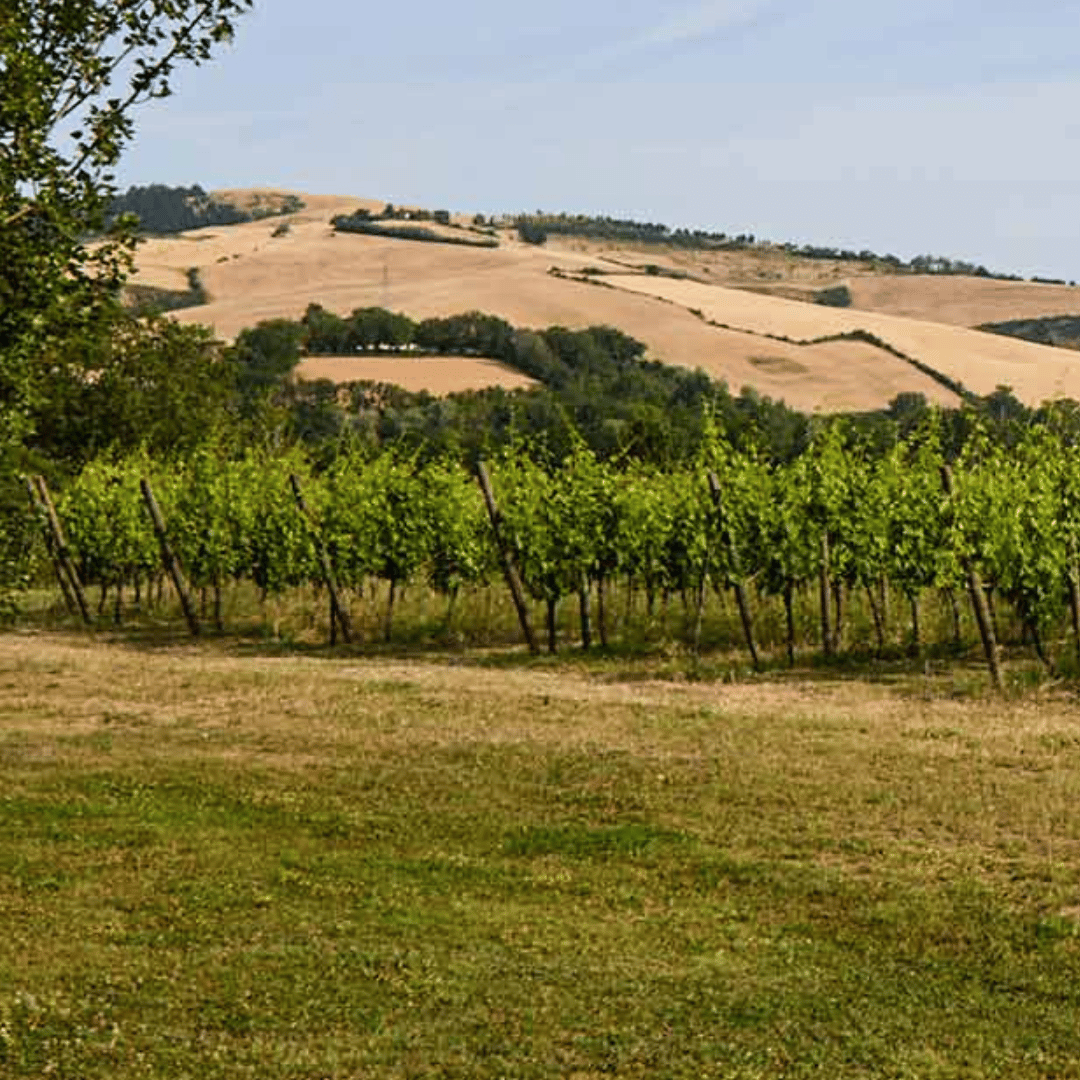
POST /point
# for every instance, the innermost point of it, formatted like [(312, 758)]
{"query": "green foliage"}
[(18, 532), (645, 519), (362, 222), (261, 360), (211, 514), (573, 521), (72, 74), (461, 550), (376, 523), (918, 551), (535, 229), (1061, 331), (531, 232), (105, 522), (159, 208), (834, 296), (376, 328), (595, 382), (535, 515), (1008, 522), (279, 541), (151, 300), (150, 382)]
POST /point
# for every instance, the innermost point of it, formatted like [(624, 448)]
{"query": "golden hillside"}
[(251, 274)]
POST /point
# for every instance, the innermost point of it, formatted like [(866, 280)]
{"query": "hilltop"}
[(747, 316)]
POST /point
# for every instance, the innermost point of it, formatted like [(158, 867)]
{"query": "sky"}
[(946, 127)]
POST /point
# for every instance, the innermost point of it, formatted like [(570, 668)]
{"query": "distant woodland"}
[(595, 385), (168, 388), (164, 209)]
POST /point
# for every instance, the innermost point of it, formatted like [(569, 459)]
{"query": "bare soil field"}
[(438, 375), (251, 275)]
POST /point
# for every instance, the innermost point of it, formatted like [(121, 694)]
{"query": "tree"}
[(532, 232), (72, 75), (164, 209), (152, 383), (263, 358)]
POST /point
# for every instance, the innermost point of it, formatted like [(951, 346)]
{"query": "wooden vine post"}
[(1074, 594), (510, 572), (978, 601), (339, 616), (736, 569), (168, 557), (50, 544), (789, 619), (58, 547), (824, 590), (584, 610)]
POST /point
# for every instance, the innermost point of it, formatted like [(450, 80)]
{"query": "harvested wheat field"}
[(251, 275), (437, 375), (963, 301), (980, 361), (948, 298), (279, 277)]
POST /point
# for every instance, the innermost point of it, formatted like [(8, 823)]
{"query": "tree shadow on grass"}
[(938, 671)]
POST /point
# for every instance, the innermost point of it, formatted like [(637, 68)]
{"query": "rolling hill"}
[(250, 274)]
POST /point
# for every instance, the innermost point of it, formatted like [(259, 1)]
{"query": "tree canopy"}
[(73, 73)]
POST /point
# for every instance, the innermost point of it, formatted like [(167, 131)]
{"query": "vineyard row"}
[(997, 526)]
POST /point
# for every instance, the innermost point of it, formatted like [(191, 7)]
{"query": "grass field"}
[(240, 859)]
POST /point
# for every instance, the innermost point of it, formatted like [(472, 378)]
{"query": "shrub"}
[(531, 232), (834, 296)]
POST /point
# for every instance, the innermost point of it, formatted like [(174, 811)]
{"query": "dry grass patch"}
[(437, 375), (943, 298)]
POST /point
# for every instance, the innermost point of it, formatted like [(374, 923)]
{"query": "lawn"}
[(223, 860)]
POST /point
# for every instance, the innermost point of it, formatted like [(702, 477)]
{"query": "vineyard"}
[(288, 860), (987, 544)]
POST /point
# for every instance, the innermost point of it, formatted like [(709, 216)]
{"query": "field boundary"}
[(867, 337)]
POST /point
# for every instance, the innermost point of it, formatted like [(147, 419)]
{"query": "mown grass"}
[(481, 627), (330, 866)]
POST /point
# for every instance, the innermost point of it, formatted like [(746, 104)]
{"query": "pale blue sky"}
[(943, 126)]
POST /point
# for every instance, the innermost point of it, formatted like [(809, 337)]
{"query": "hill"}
[(665, 297)]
